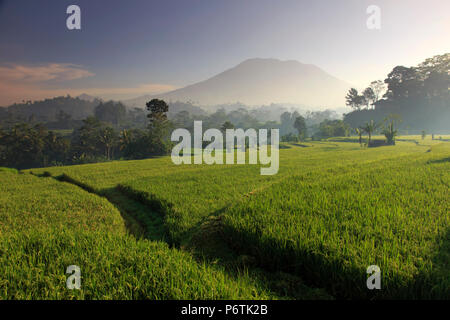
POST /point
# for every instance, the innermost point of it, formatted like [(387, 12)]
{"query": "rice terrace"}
[(228, 158), (150, 229)]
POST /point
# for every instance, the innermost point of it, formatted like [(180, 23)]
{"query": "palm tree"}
[(359, 132), (389, 128), (125, 139), (227, 125), (107, 138), (370, 128)]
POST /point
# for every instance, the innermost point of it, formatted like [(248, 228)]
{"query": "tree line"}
[(107, 134), (419, 95), (28, 145)]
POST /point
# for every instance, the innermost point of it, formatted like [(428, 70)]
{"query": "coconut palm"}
[(370, 128), (389, 128), (359, 132)]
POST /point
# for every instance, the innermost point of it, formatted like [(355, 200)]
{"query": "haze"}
[(129, 49)]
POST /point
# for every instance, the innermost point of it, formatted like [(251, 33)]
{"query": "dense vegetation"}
[(419, 95), (114, 132), (25, 145), (49, 110)]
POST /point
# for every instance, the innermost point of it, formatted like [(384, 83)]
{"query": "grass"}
[(11, 170), (394, 214), (190, 196), (47, 225), (333, 209)]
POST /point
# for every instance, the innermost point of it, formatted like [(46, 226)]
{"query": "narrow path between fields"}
[(206, 244)]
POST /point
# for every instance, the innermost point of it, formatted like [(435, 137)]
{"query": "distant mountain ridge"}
[(261, 82)]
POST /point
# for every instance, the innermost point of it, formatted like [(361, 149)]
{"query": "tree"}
[(56, 150), (182, 119), (370, 128), (63, 118), (135, 144), (289, 138), (137, 118), (300, 126), (111, 112), (354, 100), (378, 87), (359, 132), (332, 128), (402, 83), (158, 127), (217, 118), (389, 130), (437, 84), (424, 134), (23, 146), (438, 63), (158, 116), (369, 96), (86, 140), (287, 121), (158, 110), (108, 140), (419, 94), (226, 125)]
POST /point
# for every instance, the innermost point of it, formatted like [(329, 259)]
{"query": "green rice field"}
[(148, 229)]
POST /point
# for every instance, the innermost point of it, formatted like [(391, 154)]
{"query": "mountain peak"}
[(267, 62), (262, 81)]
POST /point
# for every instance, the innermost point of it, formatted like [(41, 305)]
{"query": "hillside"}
[(46, 110)]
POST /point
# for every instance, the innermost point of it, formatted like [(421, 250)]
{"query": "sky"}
[(129, 48)]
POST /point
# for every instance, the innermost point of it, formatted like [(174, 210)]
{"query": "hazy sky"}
[(135, 47)]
